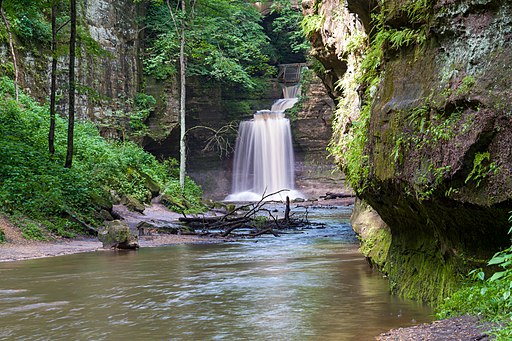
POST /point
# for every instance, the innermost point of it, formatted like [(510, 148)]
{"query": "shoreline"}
[(14, 252), (18, 248)]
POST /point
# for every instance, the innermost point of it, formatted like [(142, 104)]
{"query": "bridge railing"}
[(290, 73)]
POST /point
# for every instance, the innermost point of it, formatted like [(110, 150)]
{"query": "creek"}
[(301, 286)]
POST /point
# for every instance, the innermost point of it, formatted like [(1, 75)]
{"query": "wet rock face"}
[(439, 138)]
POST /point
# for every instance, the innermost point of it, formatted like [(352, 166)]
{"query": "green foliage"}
[(354, 161), (224, 42), (430, 180), (2, 236), (312, 23), (356, 42), (144, 105), (186, 201), (406, 37), (28, 20), (36, 187), (482, 168), (489, 298), (131, 121), (288, 40), (466, 85)]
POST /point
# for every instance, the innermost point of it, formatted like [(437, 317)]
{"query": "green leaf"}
[(496, 260), (497, 276)]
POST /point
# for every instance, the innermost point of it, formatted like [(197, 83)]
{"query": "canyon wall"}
[(424, 129)]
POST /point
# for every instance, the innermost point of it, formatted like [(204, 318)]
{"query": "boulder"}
[(133, 204), (117, 234)]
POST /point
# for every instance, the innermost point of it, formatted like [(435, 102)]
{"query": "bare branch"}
[(219, 140)]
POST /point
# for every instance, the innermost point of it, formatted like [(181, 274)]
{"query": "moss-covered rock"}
[(133, 204), (424, 131), (373, 233), (117, 234)]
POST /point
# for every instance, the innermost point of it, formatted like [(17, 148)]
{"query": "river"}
[(312, 285)]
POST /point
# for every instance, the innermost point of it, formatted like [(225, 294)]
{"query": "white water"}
[(264, 160)]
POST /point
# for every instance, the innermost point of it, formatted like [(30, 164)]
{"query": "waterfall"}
[(264, 161)]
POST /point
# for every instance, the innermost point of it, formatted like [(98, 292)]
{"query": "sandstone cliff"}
[(423, 128)]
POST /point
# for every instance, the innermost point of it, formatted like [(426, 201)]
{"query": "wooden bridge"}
[(290, 73)]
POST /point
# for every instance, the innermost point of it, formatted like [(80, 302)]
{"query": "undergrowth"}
[(488, 298), (43, 197)]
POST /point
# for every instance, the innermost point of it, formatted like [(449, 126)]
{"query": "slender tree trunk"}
[(71, 119), (53, 87), (13, 53), (183, 69)]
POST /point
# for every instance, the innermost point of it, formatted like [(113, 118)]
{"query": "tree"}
[(72, 53), (53, 81), (183, 96), (289, 42), (180, 31), (11, 47)]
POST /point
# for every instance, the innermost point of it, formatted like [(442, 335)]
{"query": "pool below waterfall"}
[(312, 285)]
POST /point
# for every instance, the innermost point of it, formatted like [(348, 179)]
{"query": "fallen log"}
[(255, 217)]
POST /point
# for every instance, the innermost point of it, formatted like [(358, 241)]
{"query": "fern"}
[(312, 23)]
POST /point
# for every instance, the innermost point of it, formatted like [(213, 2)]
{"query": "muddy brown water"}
[(312, 285)]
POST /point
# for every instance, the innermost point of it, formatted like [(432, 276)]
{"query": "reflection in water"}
[(306, 286)]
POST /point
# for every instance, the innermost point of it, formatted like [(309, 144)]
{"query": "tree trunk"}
[(71, 118), (53, 87), (183, 69), (13, 53)]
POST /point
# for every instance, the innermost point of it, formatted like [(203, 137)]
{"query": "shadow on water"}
[(308, 286)]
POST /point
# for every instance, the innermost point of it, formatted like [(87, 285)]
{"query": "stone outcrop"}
[(432, 127)]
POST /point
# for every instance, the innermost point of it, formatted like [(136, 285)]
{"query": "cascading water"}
[(264, 160)]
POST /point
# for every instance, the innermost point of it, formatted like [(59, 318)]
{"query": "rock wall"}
[(315, 172), (108, 70), (424, 134)]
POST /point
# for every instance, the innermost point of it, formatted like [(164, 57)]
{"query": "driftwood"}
[(255, 221), (330, 195)]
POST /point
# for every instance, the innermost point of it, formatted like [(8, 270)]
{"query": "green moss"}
[(466, 85), (423, 276), (376, 246)]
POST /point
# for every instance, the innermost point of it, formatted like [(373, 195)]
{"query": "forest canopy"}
[(224, 41)]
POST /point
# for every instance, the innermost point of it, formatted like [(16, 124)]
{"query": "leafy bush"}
[(38, 187), (2, 236), (187, 201), (490, 299)]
